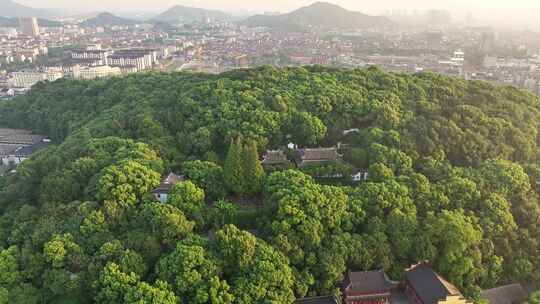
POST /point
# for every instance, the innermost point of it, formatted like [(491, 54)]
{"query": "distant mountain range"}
[(321, 15), (14, 22), (10, 8), (107, 19), (181, 13)]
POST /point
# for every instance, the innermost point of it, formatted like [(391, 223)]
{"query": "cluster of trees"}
[(453, 179), (244, 173), (338, 171), (534, 298)]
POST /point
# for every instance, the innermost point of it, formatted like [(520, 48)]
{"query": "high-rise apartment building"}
[(29, 26)]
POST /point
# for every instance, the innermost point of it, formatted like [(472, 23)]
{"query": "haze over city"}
[(498, 13), (284, 5), (287, 151)]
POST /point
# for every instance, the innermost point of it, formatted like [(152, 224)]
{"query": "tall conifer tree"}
[(253, 170), (233, 170)]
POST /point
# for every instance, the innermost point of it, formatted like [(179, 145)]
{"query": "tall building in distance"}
[(29, 26)]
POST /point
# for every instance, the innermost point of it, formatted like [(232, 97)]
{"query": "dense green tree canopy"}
[(453, 178)]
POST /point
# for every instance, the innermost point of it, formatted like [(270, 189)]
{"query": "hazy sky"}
[(280, 5)]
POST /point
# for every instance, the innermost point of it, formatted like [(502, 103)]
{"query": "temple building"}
[(275, 158), (424, 286), (305, 157), (508, 294), (371, 287)]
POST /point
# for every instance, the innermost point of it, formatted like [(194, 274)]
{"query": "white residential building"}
[(97, 56), (95, 72), (141, 59), (26, 79), (54, 74)]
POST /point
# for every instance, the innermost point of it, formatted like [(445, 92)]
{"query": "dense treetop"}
[(453, 179)]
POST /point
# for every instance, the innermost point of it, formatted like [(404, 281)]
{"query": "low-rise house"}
[(424, 286), (305, 157), (23, 153), (370, 287), (319, 300), (275, 158), (18, 137), (18, 145), (26, 79), (161, 193), (508, 294)]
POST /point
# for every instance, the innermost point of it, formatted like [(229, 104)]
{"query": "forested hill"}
[(468, 122), (319, 15), (453, 179)]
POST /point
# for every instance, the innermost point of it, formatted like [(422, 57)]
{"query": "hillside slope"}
[(181, 13), (107, 19), (320, 15), (10, 8), (14, 22), (453, 179)]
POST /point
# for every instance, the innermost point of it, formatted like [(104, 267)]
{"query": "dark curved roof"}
[(429, 286), (509, 294), (275, 157), (367, 282), (318, 154)]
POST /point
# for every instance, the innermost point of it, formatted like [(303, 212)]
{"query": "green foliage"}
[(224, 213), (190, 200), (4, 296), (305, 215), (261, 273), (167, 222), (62, 252), (95, 229), (9, 274), (306, 129), (115, 286), (457, 237), (126, 183), (379, 172), (61, 284), (195, 275), (332, 171), (253, 170), (13, 289), (357, 157), (397, 161), (244, 173), (534, 298), (207, 176), (234, 168), (453, 178)]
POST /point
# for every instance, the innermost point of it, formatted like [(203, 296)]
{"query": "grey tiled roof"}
[(429, 286), (508, 294), (368, 281)]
